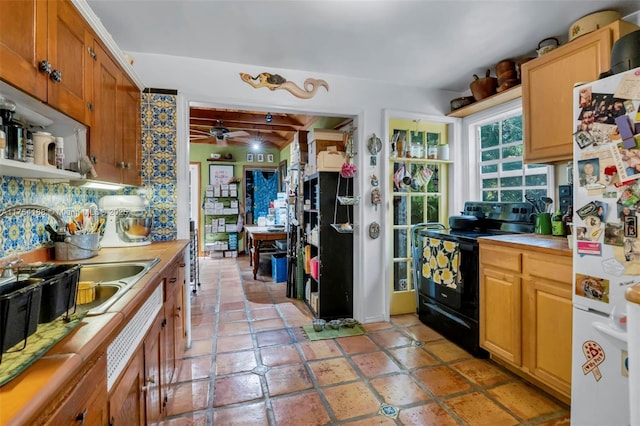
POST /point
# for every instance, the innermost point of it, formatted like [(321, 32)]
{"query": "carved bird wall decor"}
[(276, 81)]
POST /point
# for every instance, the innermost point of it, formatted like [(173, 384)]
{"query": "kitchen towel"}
[(16, 360), (441, 260)]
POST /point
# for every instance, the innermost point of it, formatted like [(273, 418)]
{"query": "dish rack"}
[(347, 201)]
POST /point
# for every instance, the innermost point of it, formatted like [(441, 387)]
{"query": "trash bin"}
[(279, 267)]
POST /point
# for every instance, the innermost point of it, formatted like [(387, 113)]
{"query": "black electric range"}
[(453, 310)]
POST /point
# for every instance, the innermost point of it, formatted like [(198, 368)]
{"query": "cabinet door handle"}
[(150, 380), (82, 416), (173, 280), (92, 53), (56, 76), (182, 264), (90, 106), (45, 66), (94, 159)]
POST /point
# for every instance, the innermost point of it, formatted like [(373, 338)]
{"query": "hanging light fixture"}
[(268, 118)]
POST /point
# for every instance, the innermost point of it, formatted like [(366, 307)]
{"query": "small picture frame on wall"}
[(269, 158), (260, 158), (249, 158)]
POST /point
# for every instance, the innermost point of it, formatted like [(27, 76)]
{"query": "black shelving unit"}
[(332, 247)]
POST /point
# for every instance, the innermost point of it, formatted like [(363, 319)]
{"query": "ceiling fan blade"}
[(208, 140), (199, 133), (236, 134)]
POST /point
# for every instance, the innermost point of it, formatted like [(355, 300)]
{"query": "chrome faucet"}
[(36, 207), (8, 268)]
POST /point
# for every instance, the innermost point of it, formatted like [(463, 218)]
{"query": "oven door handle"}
[(426, 225), (466, 246)]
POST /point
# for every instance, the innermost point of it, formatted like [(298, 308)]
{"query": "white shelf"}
[(30, 170), (418, 160)]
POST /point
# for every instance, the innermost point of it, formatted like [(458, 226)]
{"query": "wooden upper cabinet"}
[(105, 133), (23, 44), (49, 51), (114, 138), (44, 51), (131, 134), (70, 44), (547, 91)]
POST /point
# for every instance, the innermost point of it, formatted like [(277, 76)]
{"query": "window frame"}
[(471, 126)]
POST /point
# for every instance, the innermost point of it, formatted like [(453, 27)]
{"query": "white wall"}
[(219, 85)]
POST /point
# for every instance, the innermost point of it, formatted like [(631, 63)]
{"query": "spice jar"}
[(59, 153)]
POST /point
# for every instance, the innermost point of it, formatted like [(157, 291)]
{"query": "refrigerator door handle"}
[(610, 331)]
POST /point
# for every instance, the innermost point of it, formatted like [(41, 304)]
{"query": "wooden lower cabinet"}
[(501, 329), (154, 362), (87, 403), (526, 314), (174, 326), (548, 325), (127, 397)]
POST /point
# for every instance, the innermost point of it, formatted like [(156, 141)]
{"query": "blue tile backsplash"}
[(25, 231)]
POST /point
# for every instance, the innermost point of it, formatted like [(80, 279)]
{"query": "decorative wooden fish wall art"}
[(275, 81)]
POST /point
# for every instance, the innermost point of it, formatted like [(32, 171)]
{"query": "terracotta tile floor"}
[(250, 364)]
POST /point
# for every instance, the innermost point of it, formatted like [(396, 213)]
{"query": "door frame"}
[(449, 180), (195, 184)]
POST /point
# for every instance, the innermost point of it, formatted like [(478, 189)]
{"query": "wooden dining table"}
[(262, 238)]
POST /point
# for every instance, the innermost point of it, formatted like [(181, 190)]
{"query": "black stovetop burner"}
[(496, 219)]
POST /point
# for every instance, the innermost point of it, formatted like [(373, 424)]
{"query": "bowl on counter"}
[(136, 227)]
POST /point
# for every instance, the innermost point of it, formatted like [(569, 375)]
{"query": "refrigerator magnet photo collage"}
[(607, 182)]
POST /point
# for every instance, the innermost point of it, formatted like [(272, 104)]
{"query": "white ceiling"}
[(437, 44)]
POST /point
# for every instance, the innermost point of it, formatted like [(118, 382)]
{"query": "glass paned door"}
[(419, 196)]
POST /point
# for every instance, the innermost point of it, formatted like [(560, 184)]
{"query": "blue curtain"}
[(265, 189)]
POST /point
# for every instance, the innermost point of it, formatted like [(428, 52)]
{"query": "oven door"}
[(464, 297)]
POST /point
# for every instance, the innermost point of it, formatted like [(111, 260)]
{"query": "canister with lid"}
[(44, 149)]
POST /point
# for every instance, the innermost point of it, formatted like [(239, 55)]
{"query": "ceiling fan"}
[(218, 133)]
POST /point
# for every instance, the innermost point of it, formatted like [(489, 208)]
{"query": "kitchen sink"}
[(114, 280), (103, 293), (110, 272)]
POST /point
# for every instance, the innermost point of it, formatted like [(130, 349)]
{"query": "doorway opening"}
[(260, 188)]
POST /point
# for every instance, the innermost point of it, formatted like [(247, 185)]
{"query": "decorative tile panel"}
[(24, 231)]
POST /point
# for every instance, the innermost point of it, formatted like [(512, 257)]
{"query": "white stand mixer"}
[(121, 210)]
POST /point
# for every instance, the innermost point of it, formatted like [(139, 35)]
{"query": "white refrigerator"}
[(606, 245)]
